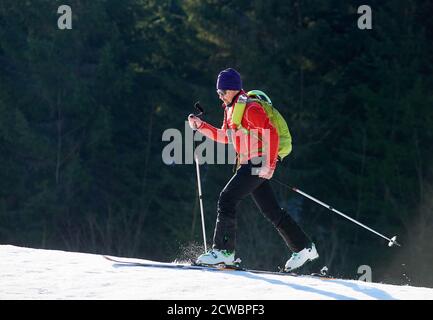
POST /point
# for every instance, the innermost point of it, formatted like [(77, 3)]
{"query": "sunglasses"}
[(221, 92)]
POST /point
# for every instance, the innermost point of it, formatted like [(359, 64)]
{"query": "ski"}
[(166, 265)]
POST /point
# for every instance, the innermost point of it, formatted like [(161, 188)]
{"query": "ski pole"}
[(391, 242), (197, 166)]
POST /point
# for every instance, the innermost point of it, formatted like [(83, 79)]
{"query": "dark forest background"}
[(82, 113)]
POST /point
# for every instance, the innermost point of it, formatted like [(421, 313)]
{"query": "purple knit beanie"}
[(229, 79)]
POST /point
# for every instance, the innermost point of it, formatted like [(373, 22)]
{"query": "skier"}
[(256, 162)]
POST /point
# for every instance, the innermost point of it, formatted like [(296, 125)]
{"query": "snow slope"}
[(27, 273)]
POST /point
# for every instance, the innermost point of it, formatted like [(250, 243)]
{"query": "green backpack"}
[(285, 146)]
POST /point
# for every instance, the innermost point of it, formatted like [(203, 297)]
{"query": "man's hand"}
[(194, 122), (266, 172)]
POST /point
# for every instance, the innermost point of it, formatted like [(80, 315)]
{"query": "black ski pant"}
[(242, 184)]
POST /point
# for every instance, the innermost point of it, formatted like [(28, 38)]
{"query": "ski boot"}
[(215, 257), (298, 259)]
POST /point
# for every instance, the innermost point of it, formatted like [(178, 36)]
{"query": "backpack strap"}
[(238, 114), (239, 109)]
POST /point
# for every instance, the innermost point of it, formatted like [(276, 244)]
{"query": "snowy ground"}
[(27, 273)]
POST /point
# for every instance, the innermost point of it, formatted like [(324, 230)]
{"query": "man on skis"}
[(257, 156)]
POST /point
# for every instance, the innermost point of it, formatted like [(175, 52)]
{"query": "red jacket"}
[(262, 139)]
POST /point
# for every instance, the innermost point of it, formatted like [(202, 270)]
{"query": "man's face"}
[(227, 95)]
